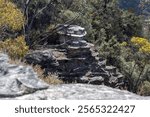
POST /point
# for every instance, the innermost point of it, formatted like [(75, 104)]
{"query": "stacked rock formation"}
[(76, 60)]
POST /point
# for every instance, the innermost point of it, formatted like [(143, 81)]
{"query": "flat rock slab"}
[(17, 80), (81, 92), (72, 30)]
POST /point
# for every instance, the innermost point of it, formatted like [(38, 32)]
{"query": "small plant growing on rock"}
[(50, 78)]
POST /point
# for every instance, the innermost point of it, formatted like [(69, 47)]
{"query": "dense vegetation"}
[(117, 33)]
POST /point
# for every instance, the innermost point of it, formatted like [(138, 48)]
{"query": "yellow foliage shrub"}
[(10, 15), (142, 43), (16, 48), (139, 41), (145, 48)]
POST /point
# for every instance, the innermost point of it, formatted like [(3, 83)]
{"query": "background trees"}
[(103, 19)]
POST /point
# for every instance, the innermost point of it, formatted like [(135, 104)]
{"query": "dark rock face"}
[(76, 60), (41, 57), (17, 80), (81, 92)]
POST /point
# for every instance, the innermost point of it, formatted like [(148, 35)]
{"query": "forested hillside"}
[(140, 7), (115, 27)]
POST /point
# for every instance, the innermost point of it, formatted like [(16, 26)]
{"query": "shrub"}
[(145, 89), (110, 50), (142, 43), (10, 16), (16, 48)]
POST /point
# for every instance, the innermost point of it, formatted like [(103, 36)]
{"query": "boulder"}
[(17, 80)]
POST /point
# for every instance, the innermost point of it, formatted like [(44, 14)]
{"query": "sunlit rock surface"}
[(81, 92)]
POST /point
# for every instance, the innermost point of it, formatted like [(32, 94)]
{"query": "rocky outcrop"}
[(76, 60), (21, 82), (81, 92), (17, 80)]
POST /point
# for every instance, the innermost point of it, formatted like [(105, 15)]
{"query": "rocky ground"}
[(81, 92), (21, 82)]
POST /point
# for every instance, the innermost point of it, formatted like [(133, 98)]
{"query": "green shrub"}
[(110, 50), (145, 89)]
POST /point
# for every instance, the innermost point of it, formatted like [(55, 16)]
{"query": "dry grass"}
[(50, 78), (17, 62)]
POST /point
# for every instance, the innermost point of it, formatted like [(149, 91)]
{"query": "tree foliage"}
[(103, 19)]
